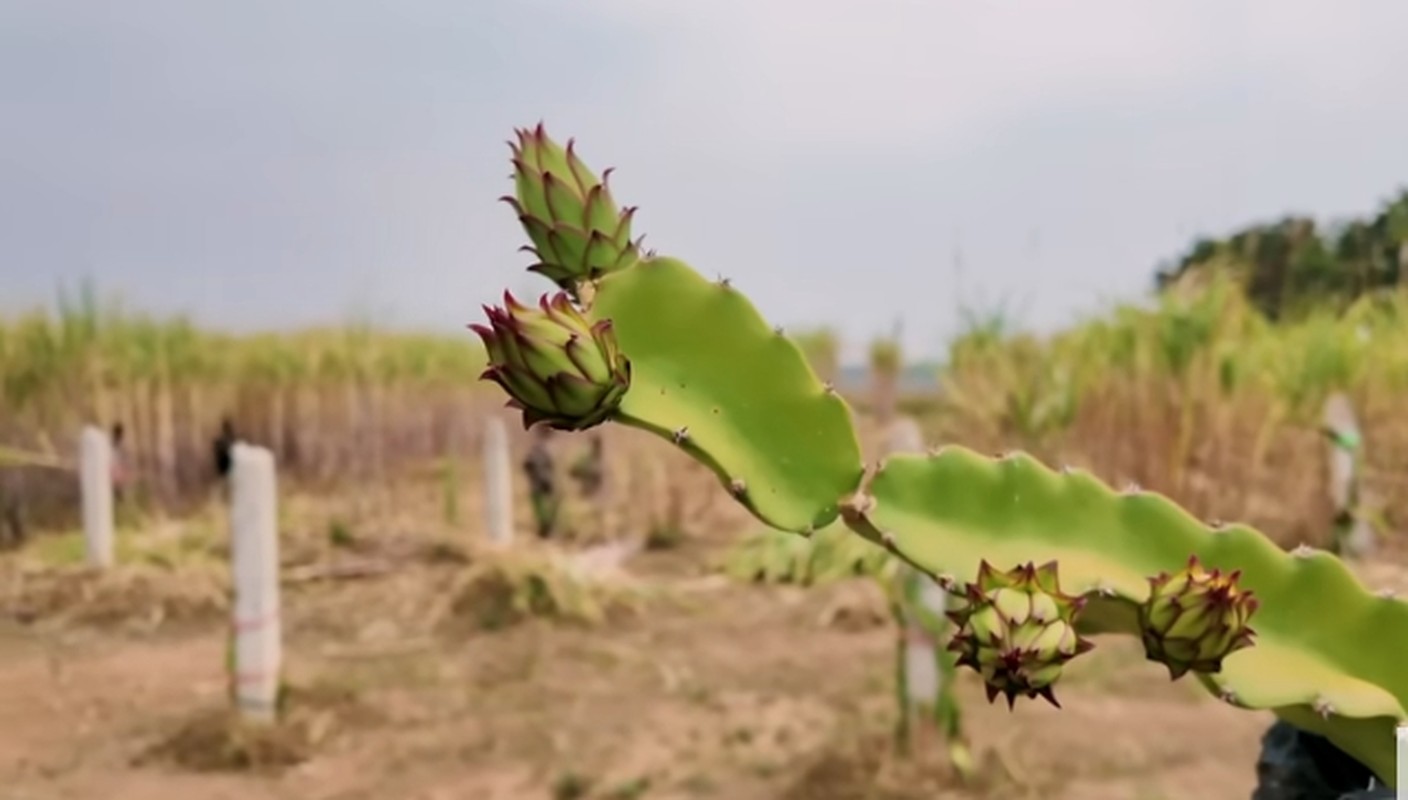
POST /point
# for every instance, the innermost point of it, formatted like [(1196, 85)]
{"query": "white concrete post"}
[(254, 556), (95, 484), (498, 486), (922, 680), (921, 652)]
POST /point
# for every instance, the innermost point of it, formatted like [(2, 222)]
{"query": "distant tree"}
[(1289, 266)]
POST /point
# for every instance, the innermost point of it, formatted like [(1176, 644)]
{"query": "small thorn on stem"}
[(1302, 551), (808, 531), (1323, 707), (1132, 488), (887, 539), (737, 487), (1067, 469), (1228, 696), (1388, 594), (778, 330), (681, 435), (829, 388), (1217, 525), (725, 282)]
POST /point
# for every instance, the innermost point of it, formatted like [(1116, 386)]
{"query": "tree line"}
[(1294, 264)]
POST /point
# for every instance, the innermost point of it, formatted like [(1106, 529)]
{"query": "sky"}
[(270, 164)]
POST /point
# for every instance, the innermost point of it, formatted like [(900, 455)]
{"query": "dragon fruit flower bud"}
[(1017, 630), (556, 367), (578, 233), (1195, 618)]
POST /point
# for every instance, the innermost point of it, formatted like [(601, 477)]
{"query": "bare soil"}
[(703, 688)]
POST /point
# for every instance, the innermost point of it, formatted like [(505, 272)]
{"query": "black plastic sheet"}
[(1296, 765)]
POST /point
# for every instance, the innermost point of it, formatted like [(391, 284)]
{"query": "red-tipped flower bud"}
[(1194, 618), (556, 366), (1017, 629), (577, 231)]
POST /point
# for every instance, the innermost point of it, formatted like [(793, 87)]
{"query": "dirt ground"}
[(707, 689)]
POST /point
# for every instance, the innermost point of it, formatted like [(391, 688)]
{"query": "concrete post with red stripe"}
[(254, 555)]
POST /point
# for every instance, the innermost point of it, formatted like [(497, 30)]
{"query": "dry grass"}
[(742, 693), (433, 668), (138, 597), (1200, 399)]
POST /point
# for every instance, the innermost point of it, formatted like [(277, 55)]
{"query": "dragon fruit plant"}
[(924, 696), (1039, 557)]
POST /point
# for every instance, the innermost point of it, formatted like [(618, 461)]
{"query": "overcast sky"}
[(280, 162)]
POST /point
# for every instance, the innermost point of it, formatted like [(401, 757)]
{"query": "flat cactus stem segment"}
[(1323, 641), (710, 375)]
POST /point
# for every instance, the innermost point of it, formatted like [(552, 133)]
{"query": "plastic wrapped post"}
[(1297, 765)]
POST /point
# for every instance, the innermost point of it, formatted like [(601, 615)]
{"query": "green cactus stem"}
[(1311, 664), (700, 367), (711, 376), (578, 234)]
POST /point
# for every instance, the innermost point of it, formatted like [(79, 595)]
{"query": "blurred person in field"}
[(118, 463), (12, 530), (222, 448), (589, 471), (589, 468), (542, 488)]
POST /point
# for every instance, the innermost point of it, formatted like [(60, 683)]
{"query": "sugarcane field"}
[(703, 401)]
